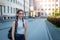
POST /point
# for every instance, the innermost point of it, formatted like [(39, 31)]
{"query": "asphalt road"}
[(38, 29)]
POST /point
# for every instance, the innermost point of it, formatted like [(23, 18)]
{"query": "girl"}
[(21, 25)]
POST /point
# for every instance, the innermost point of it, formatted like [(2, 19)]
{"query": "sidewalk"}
[(4, 28), (55, 33)]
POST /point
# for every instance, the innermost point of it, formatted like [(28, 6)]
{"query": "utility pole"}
[(24, 7)]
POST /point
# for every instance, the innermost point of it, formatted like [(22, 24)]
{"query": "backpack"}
[(10, 31)]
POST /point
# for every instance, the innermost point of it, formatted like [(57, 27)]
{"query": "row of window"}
[(50, 9), (17, 2), (21, 4), (14, 1), (4, 18), (51, 5), (49, 0), (54, 5), (8, 9), (55, 0)]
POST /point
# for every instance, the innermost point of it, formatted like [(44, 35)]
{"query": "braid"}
[(23, 21), (16, 21)]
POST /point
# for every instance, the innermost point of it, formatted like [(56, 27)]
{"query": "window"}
[(41, 13), (49, 4), (11, 9), (49, 9), (19, 3), (49, 13), (8, 9), (26, 2), (56, 0), (8, 17), (4, 18), (53, 9), (0, 10), (8, 0), (42, 9), (56, 8), (4, 9), (11, 0), (11, 17), (52, 4), (16, 1), (45, 9), (56, 4), (14, 10), (52, 0)]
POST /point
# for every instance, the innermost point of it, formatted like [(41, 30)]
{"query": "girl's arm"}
[(13, 29), (26, 30)]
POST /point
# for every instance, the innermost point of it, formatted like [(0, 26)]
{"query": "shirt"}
[(20, 28)]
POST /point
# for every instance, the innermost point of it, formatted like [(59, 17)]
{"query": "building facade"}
[(8, 8), (59, 5), (47, 6), (27, 8), (33, 12)]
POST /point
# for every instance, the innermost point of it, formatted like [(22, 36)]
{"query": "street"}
[(41, 29), (38, 29)]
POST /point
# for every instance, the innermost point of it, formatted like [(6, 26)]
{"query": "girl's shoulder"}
[(13, 22)]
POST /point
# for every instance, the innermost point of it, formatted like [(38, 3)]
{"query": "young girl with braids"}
[(21, 25)]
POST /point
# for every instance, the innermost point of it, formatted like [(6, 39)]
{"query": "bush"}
[(55, 21)]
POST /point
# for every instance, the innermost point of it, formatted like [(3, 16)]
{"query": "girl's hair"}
[(16, 22)]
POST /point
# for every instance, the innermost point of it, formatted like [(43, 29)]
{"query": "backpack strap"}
[(23, 23), (16, 25)]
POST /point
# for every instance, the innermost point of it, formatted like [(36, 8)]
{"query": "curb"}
[(49, 35)]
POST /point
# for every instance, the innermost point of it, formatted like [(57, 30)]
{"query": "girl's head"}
[(20, 13)]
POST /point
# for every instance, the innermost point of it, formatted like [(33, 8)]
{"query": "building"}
[(32, 8), (8, 8), (27, 8), (59, 5), (47, 6)]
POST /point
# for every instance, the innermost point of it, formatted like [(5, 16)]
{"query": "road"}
[(38, 29), (41, 29)]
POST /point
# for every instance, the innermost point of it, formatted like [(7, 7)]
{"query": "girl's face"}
[(21, 14)]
